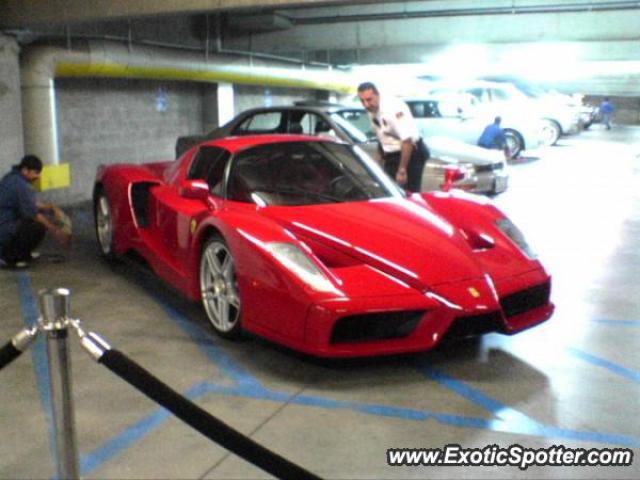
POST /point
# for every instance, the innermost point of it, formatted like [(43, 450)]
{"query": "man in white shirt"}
[(401, 150)]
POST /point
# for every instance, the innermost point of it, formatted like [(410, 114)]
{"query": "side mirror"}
[(194, 189)]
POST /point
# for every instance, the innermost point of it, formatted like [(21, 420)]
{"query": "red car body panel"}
[(429, 261)]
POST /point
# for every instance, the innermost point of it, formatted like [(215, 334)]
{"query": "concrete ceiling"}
[(586, 45), (38, 13)]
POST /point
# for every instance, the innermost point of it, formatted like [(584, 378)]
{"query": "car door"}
[(172, 214)]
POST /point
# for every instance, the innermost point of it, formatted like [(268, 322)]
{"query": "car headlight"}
[(295, 260), (507, 227)]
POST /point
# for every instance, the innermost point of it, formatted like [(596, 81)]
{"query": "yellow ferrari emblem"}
[(474, 293), (193, 226)]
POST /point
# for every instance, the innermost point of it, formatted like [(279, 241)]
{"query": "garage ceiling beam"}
[(566, 7), (34, 13)]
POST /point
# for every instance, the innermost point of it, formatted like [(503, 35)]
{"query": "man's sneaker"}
[(35, 255), (20, 264)]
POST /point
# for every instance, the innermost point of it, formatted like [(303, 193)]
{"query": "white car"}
[(456, 117), (501, 98)]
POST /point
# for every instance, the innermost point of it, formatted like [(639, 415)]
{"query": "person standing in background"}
[(606, 109), (402, 152)]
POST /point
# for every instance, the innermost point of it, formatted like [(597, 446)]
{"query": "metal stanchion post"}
[(54, 308)]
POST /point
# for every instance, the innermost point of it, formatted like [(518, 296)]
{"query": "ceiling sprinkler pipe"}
[(41, 65)]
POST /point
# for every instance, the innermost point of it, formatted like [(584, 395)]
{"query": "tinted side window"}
[(263, 122), (209, 164)]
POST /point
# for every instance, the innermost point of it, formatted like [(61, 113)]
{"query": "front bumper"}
[(417, 322)]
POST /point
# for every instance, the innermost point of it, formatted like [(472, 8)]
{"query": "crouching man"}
[(23, 220)]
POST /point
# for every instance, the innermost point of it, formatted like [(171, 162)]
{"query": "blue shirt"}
[(492, 137), (606, 107), (17, 202)]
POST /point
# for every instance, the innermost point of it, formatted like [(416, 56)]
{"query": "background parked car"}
[(477, 170), (453, 118), (501, 98)]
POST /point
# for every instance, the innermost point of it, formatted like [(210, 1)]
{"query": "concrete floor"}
[(574, 381)]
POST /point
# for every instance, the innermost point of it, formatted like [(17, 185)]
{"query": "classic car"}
[(307, 243), (478, 170)]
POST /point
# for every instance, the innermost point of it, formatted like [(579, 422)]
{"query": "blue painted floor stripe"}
[(503, 418), (38, 350), (600, 362)]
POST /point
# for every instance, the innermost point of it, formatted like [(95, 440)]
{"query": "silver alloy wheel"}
[(104, 224), (550, 133), (218, 288)]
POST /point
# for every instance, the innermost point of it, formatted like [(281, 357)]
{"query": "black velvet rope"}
[(8, 354), (201, 420)]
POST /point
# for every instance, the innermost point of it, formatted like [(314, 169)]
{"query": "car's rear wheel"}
[(551, 132), (104, 225), (219, 288), (515, 142)]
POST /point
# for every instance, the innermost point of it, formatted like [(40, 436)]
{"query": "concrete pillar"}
[(11, 137)]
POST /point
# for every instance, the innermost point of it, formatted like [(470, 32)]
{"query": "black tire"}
[(219, 288), (515, 142), (104, 227)]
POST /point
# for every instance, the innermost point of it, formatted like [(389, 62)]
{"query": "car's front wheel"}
[(219, 288)]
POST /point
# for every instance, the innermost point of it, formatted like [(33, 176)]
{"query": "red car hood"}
[(399, 237)]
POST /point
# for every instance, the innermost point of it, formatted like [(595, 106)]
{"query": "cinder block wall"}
[(118, 120), (627, 108), (249, 96), (10, 105)]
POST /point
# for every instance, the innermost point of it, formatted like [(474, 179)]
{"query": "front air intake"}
[(526, 300), (372, 327)]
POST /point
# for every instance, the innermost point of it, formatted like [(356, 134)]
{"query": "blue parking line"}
[(606, 364), (504, 418), (39, 358), (500, 411)]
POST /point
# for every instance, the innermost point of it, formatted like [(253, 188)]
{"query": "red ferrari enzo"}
[(308, 243)]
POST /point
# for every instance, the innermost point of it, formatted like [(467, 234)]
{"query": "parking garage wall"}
[(119, 120), (250, 96), (11, 147)]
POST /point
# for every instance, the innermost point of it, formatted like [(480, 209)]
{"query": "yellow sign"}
[(53, 176)]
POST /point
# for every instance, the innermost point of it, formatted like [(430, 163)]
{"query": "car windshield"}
[(306, 173)]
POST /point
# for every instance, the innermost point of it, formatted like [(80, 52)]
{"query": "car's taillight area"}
[(369, 327), (452, 174), (525, 300)]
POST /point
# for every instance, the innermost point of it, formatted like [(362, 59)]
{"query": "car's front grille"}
[(375, 326), (489, 168), (474, 325), (526, 300)]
